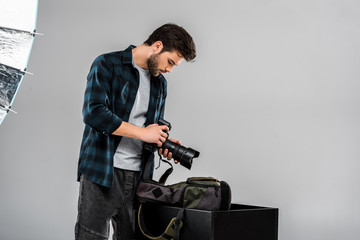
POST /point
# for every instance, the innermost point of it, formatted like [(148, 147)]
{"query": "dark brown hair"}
[(173, 38)]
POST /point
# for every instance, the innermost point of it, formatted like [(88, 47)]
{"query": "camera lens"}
[(183, 154)]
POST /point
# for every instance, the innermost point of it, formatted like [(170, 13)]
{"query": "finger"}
[(169, 157), (160, 151), (165, 154), (176, 161), (159, 143), (162, 139), (174, 140), (164, 134), (164, 128)]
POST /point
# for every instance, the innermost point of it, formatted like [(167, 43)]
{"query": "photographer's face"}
[(163, 62)]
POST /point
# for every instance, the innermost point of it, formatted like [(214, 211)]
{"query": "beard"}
[(153, 63)]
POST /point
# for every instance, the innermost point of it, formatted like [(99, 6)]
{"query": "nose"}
[(169, 69)]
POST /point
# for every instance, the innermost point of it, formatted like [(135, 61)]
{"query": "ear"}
[(157, 47)]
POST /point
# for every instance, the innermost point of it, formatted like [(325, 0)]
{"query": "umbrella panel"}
[(10, 79), (15, 47)]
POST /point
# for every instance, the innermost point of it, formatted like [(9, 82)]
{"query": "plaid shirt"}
[(109, 97)]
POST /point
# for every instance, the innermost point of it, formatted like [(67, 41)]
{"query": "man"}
[(124, 99)]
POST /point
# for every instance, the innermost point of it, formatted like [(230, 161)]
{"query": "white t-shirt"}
[(128, 154)]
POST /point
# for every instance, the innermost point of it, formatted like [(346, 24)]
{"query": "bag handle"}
[(172, 231)]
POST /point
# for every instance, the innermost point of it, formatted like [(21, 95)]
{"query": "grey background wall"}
[(272, 103)]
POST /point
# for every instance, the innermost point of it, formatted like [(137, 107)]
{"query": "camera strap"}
[(167, 173), (149, 167)]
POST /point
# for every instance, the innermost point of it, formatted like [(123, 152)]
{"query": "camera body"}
[(180, 153)]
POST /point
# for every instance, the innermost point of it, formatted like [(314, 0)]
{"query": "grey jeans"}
[(98, 205)]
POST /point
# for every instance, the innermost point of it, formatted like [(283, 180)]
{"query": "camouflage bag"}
[(203, 193)]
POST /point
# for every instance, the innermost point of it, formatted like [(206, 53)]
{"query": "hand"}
[(166, 152), (155, 134)]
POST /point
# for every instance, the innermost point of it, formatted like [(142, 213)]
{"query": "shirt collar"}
[(127, 57)]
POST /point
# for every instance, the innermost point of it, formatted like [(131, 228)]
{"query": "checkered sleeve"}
[(97, 111)]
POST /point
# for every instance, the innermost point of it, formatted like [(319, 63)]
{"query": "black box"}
[(241, 222)]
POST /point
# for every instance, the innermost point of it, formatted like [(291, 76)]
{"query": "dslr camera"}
[(180, 153)]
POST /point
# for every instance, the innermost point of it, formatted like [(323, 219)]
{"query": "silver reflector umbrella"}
[(17, 32)]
